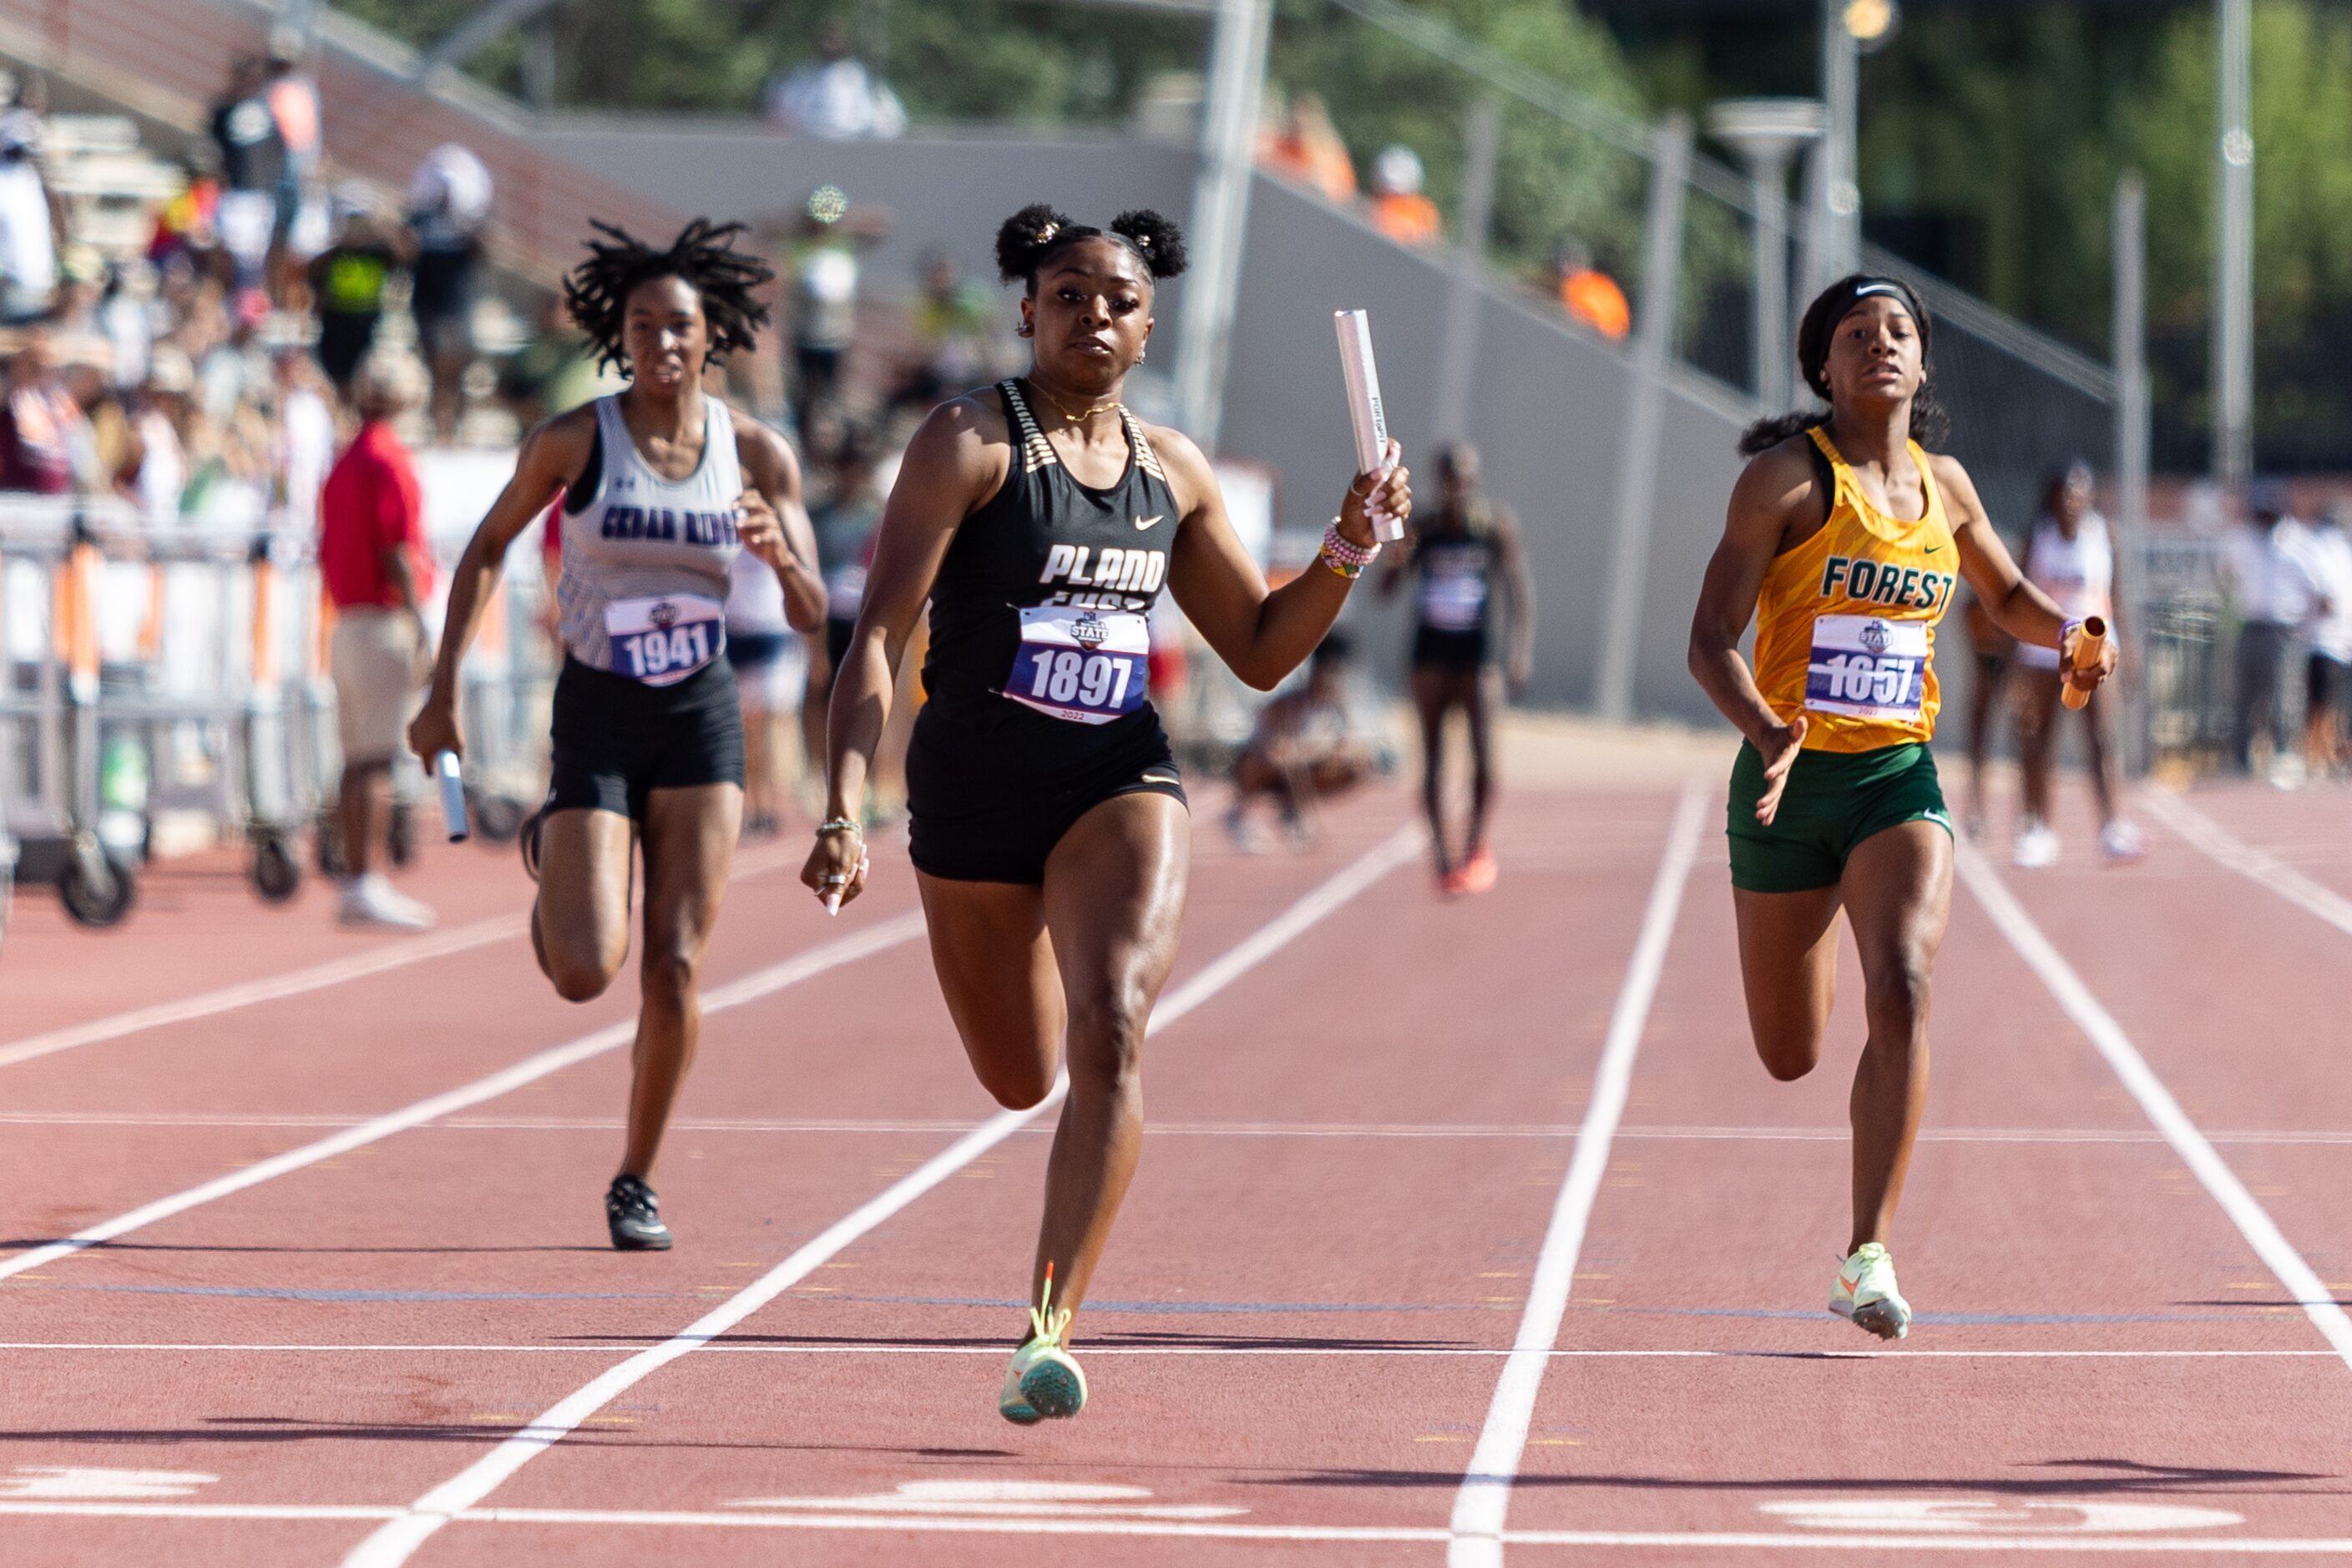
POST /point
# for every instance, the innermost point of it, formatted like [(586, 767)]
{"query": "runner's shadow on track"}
[(2123, 1476)]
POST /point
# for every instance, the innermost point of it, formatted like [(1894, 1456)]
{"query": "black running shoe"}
[(633, 1216), (528, 839)]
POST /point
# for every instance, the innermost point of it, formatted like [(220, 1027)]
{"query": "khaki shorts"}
[(378, 662)]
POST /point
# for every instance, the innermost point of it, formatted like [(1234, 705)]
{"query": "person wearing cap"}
[(1399, 210), (1845, 542), (374, 561), (2271, 588)]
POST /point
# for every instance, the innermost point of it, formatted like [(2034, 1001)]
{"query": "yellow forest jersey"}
[(1845, 624)]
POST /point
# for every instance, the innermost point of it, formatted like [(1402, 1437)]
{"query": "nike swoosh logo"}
[(1931, 550), (1143, 522)]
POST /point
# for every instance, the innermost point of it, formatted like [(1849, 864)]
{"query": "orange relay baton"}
[(2090, 641)]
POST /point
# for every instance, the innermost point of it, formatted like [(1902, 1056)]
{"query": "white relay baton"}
[(1364, 414), (452, 795)]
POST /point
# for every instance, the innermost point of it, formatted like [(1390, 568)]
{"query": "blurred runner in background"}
[(2271, 589), (2070, 557), (1463, 559), (2327, 552)]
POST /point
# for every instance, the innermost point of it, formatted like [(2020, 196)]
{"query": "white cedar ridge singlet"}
[(644, 543)]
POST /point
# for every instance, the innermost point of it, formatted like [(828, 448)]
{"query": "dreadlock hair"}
[(1032, 237), (703, 257), (1834, 304)]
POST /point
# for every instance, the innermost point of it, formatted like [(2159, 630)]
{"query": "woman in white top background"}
[(2069, 556)]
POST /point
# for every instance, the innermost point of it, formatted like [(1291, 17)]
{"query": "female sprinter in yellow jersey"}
[(1845, 542)]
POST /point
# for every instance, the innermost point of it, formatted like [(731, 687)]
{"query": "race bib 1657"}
[(1866, 668)]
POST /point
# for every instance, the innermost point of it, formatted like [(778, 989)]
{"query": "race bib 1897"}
[(1087, 666), (1866, 667), (663, 641)]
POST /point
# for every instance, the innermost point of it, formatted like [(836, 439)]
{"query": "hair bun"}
[(1159, 240), (1024, 237)]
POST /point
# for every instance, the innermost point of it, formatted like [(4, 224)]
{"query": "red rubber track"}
[(1356, 1149)]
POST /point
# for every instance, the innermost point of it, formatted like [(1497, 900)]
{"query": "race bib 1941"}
[(1866, 668), (663, 641), (1087, 666)]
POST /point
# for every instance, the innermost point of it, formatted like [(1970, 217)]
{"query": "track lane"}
[(1332, 1244), (2021, 1244)]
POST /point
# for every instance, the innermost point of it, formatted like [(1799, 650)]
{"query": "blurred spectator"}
[(160, 408), (824, 278), (128, 316), (302, 224), (555, 371), (835, 97), (1590, 295), (448, 205), (1302, 750), (302, 444), (28, 215), (376, 569), (2327, 552), (2273, 590), (189, 223), (1399, 209), (346, 283), (1305, 147), (954, 336), (252, 167), (844, 523), (41, 427)]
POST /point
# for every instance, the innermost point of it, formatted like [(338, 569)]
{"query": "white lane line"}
[(876, 939), (381, 959), (2218, 844), (392, 1544), (1368, 1130), (1476, 1538), (1096, 1348), (1900, 1543), (2195, 1151)]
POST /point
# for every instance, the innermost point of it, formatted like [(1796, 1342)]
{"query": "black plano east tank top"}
[(1037, 615)]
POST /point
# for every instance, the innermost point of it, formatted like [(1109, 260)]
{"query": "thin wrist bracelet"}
[(840, 825)]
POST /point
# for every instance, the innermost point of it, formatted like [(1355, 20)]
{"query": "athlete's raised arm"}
[(1262, 634), (2016, 605), (551, 458), (775, 525), (1778, 495)]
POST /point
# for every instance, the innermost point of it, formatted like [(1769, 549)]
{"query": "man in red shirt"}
[(374, 561)]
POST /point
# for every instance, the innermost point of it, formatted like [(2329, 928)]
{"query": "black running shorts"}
[(618, 740), (988, 805)]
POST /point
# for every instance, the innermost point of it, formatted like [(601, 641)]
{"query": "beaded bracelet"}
[(1343, 557), (839, 825)]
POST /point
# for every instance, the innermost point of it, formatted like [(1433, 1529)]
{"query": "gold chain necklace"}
[(1080, 417)]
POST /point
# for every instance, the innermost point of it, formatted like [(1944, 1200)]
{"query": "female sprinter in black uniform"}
[(1463, 557), (1845, 542), (662, 484), (1041, 520)]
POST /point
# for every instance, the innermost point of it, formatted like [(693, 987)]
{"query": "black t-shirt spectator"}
[(253, 154)]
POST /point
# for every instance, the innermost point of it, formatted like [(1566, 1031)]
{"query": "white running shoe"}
[(371, 900), (2036, 847), (1865, 1293), (2122, 840)]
